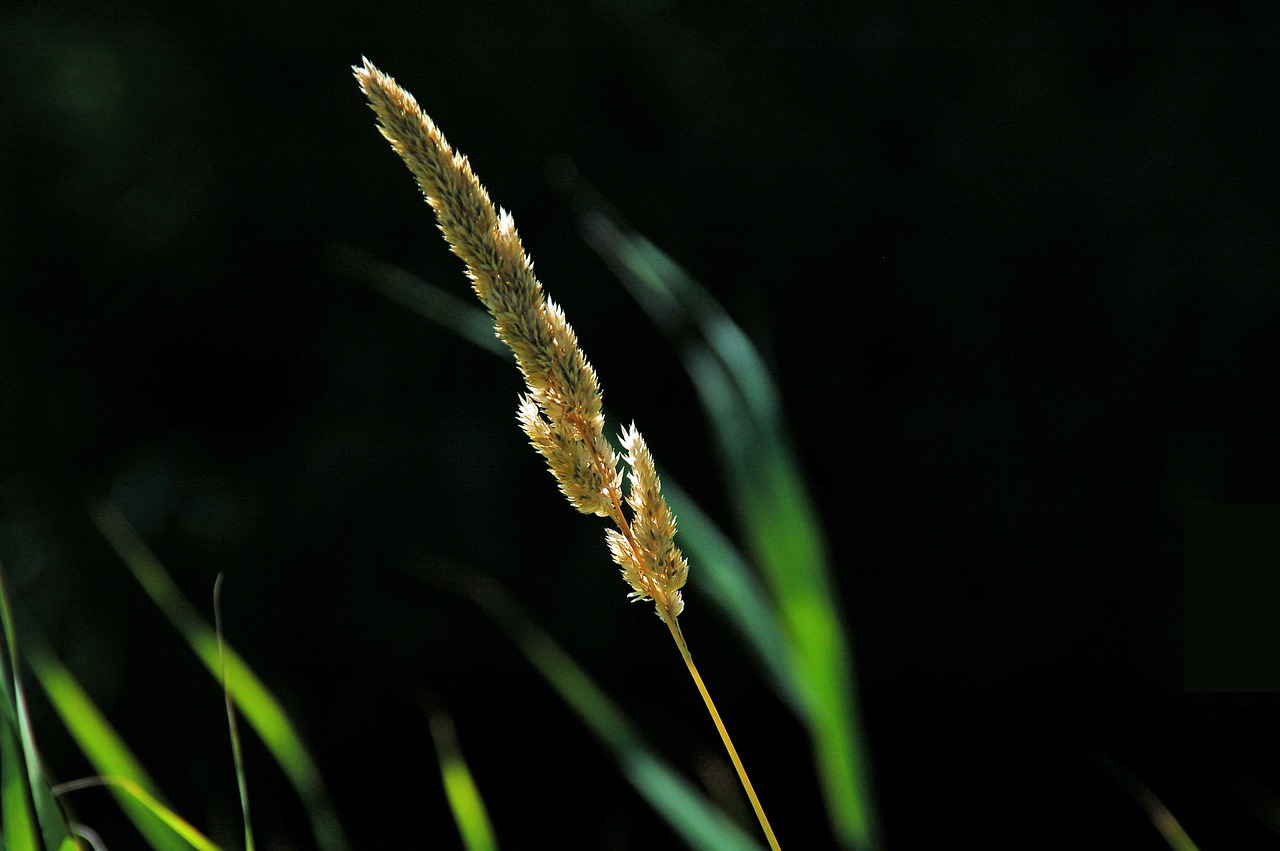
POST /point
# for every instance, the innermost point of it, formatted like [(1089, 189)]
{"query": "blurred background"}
[(1015, 273)]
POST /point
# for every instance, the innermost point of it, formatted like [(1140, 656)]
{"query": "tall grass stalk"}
[(562, 411)]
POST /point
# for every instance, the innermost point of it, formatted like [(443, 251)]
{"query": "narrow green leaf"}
[(105, 750), (427, 300), (26, 803), (460, 787), (1145, 797), (686, 809), (777, 516), (18, 823), (724, 576), (137, 797), (17, 812), (260, 708)]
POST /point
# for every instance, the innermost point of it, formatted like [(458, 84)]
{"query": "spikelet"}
[(651, 562), (562, 411)]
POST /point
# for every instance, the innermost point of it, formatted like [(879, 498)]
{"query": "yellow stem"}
[(724, 734)]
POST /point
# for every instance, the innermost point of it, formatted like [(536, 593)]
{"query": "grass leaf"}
[(19, 827), (259, 707), (134, 796), (777, 516), (686, 809), (19, 830), (460, 787), (103, 747), (30, 816), (1145, 797), (725, 577), (425, 299)]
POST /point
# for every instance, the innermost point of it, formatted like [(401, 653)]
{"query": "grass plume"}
[(561, 412)]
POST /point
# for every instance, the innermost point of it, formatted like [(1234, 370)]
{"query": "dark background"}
[(1015, 273)]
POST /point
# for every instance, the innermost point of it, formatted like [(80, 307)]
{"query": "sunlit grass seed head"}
[(575, 463), (562, 411), (650, 560)]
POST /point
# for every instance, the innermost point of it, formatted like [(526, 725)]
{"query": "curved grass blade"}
[(427, 300), (19, 827), (1143, 795), (727, 579), (255, 701), (138, 797), (104, 748), (771, 498), (460, 787), (30, 817), (722, 571), (686, 809)]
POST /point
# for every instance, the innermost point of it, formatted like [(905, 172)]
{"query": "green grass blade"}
[(772, 501), (259, 707), (427, 300), (686, 809), (1145, 797), (19, 826), (139, 798), (105, 750), (723, 574), (460, 787), (30, 816), (785, 535)]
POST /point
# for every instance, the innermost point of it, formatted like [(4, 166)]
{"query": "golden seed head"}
[(571, 460), (562, 411), (653, 528)]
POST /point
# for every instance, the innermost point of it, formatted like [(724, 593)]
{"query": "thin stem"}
[(674, 626), (237, 753)]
